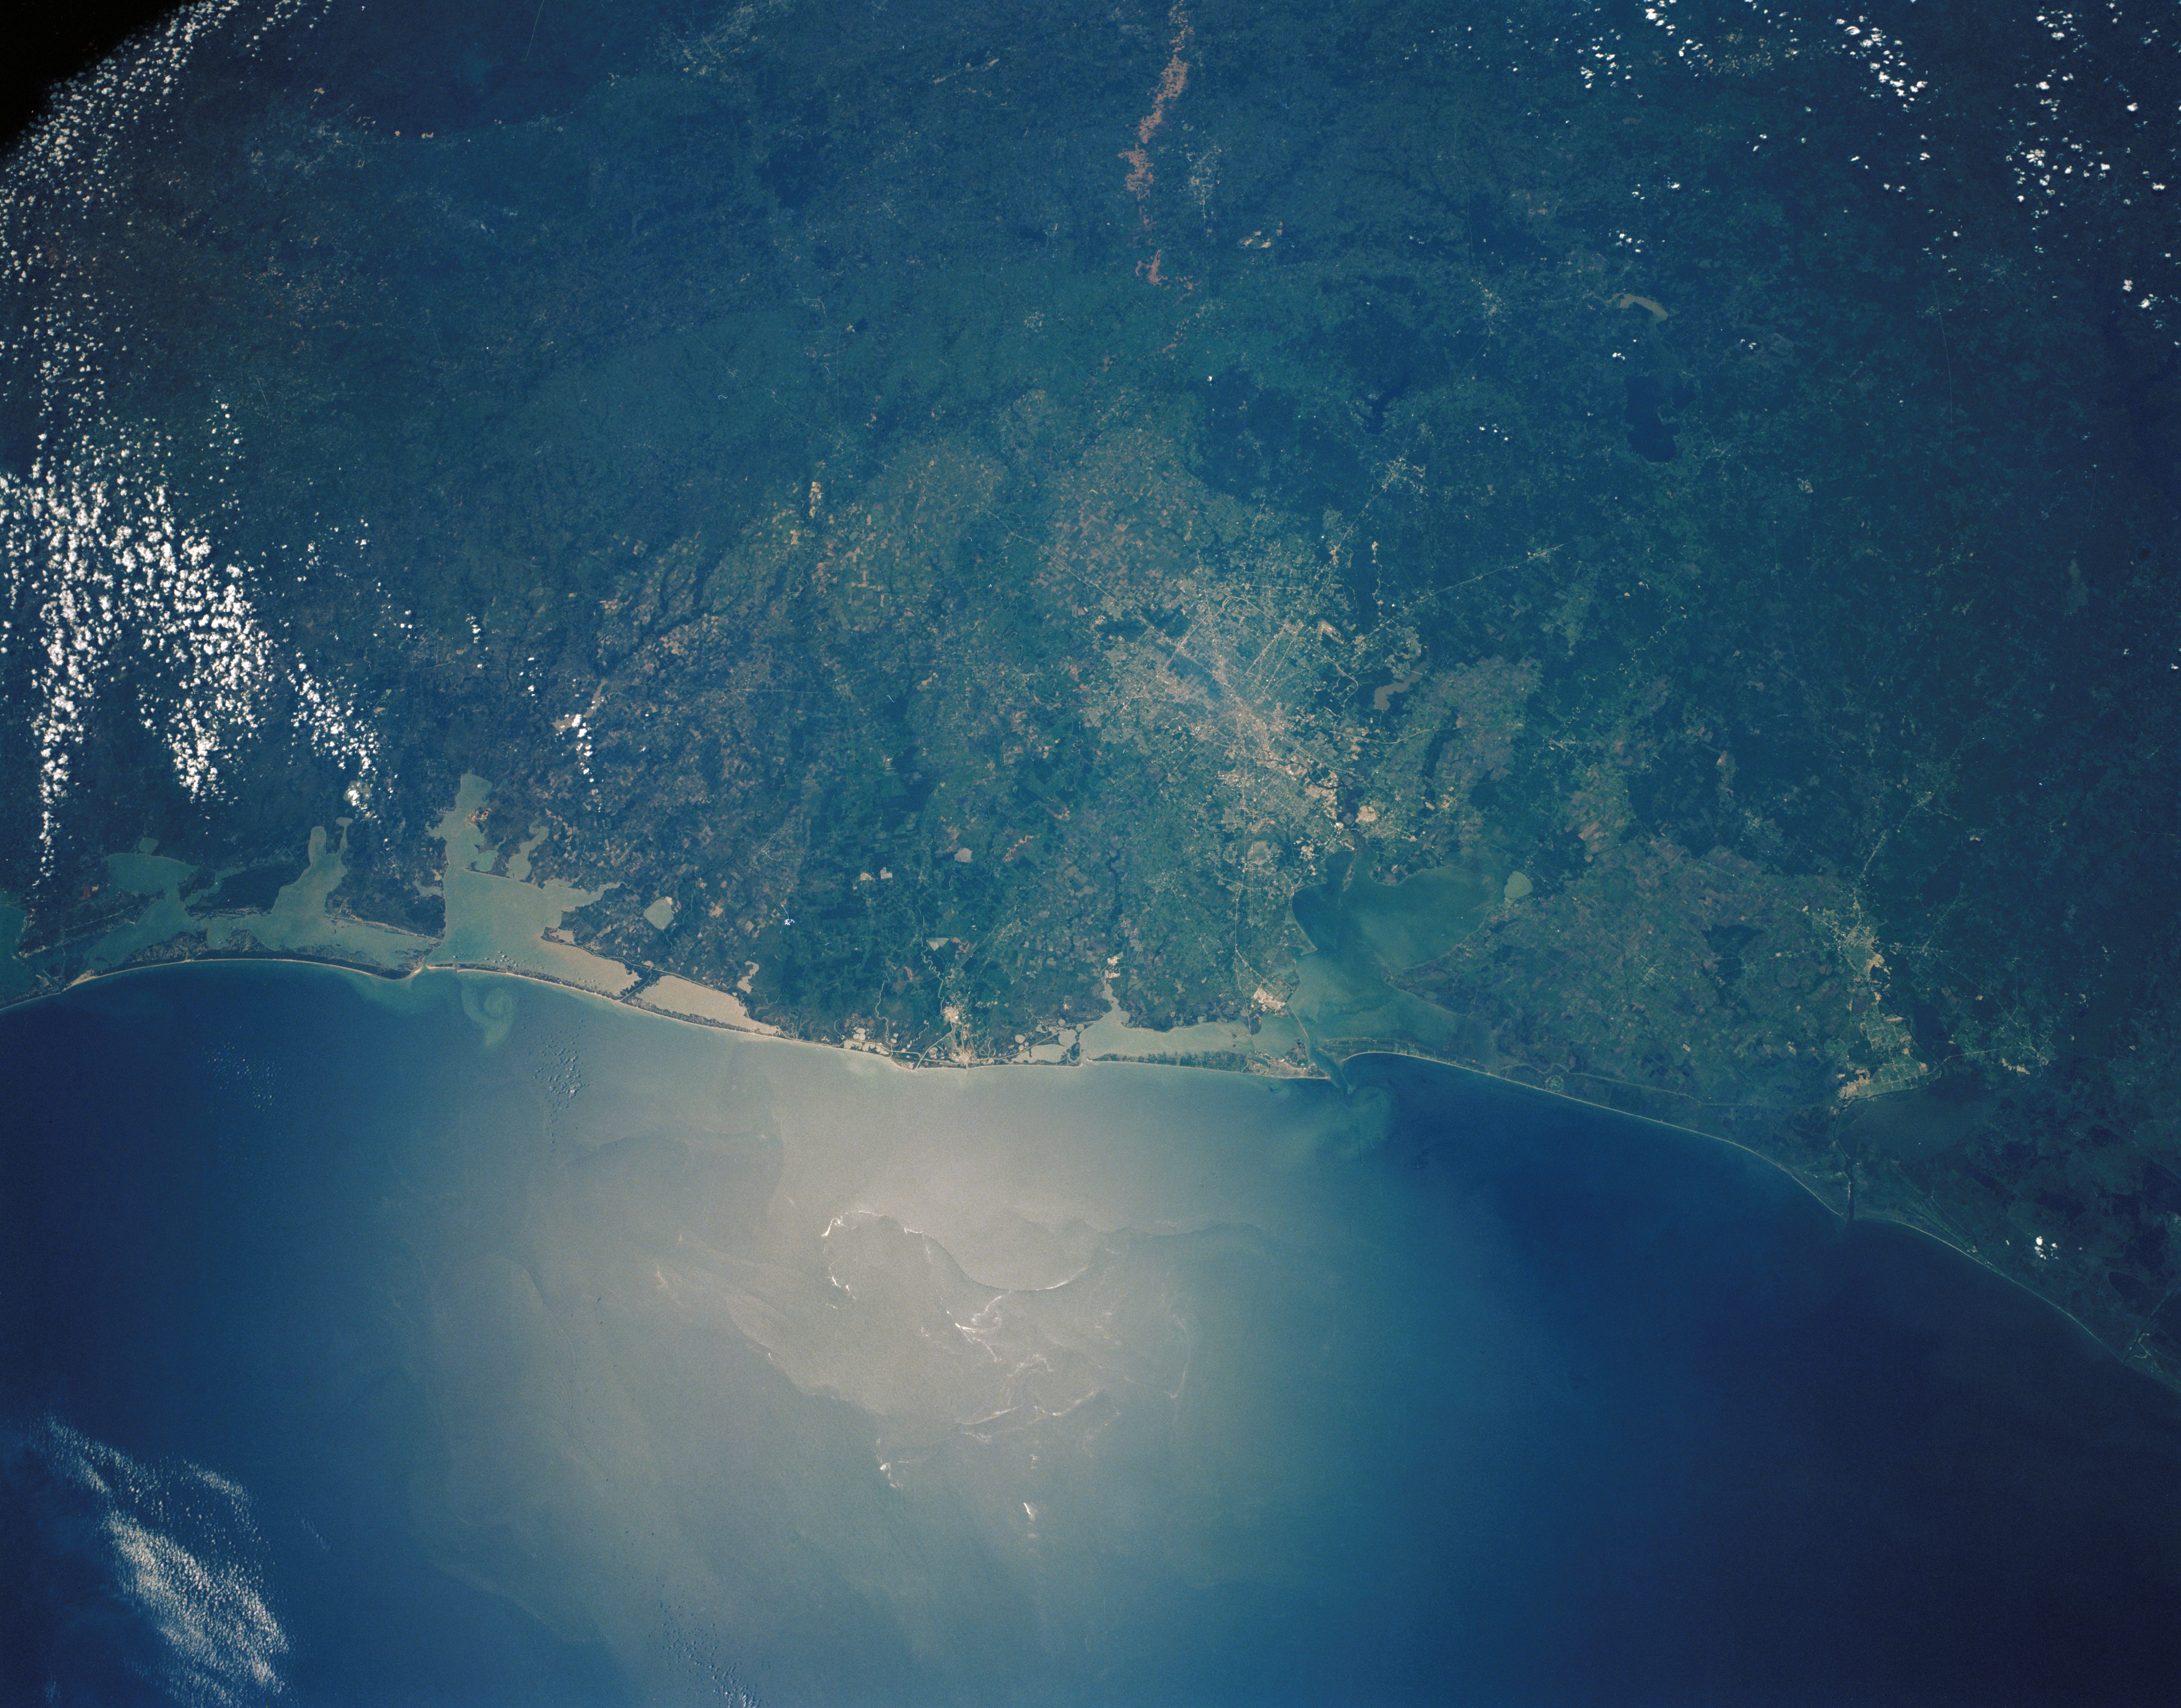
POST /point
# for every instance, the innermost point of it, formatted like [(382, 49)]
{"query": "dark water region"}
[(442, 1353), (1650, 407), (196, 1265)]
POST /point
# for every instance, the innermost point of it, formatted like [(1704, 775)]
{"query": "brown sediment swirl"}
[(1172, 81)]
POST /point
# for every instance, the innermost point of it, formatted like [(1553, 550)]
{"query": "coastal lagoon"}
[(462, 1338)]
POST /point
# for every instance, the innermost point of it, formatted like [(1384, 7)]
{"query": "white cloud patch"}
[(105, 576), (154, 1572)]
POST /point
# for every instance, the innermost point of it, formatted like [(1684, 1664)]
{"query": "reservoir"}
[(463, 1339)]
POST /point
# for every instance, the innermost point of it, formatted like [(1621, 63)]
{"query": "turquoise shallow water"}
[(475, 1341)]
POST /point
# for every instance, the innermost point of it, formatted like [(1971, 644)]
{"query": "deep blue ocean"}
[(443, 1343)]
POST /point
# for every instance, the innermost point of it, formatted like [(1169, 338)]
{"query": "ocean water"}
[(467, 1340)]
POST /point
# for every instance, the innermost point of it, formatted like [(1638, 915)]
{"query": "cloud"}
[(112, 1570)]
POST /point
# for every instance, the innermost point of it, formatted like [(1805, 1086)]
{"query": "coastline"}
[(607, 1232), (502, 922), (375, 983)]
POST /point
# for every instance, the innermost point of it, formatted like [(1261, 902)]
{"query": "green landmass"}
[(1634, 582)]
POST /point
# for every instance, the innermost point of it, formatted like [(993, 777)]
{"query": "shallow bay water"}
[(502, 1344)]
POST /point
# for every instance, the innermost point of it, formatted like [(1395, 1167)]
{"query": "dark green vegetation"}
[(980, 576)]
